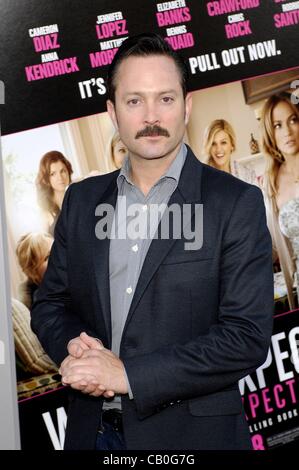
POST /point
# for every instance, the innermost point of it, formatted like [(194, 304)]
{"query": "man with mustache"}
[(152, 337)]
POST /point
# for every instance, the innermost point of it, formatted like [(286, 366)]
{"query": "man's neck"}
[(145, 173)]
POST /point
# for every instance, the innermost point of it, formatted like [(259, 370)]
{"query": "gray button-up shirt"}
[(127, 255)]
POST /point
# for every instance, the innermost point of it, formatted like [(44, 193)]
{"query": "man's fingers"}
[(89, 388), (65, 363), (92, 343), (71, 360), (75, 350), (79, 378), (94, 390), (97, 393), (76, 347), (108, 352)]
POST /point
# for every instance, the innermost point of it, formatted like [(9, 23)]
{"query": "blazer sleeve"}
[(238, 343), (52, 319)]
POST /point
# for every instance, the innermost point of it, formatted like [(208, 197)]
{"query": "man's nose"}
[(151, 116)]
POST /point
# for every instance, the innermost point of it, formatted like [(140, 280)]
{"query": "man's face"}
[(150, 111)]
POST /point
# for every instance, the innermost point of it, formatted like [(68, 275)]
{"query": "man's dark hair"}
[(143, 45)]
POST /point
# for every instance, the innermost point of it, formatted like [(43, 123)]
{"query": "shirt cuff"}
[(130, 393)]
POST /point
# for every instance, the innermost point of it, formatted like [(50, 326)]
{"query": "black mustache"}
[(150, 131)]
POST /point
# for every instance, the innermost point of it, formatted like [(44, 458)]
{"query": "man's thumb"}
[(75, 350), (93, 343)]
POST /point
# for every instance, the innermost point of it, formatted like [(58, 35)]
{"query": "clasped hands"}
[(92, 368)]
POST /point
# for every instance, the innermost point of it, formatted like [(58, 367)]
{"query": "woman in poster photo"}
[(54, 176), (219, 144), (280, 128), (33, 251), (116, 152)]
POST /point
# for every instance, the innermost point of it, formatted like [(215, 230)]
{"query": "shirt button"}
[(135, 248), (129, 290), (144, 208)]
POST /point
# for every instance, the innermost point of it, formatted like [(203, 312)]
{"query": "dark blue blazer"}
[(199, 320)]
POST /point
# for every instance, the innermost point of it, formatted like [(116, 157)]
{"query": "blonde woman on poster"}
[(116, 152), (219, 145), (33, 251), (280, 127)]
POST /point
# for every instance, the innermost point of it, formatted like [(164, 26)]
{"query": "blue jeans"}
[(109, 439)]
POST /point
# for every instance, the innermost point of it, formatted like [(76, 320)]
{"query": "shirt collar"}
[(174, 171)]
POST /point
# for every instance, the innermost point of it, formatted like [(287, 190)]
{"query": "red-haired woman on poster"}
[(54, 176)]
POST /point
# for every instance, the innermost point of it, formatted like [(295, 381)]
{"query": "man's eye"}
[(167, 99), (133, 101)]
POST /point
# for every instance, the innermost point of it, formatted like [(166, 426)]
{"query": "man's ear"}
[(111, 112), (188, 107)]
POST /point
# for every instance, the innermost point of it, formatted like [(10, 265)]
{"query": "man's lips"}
[(153, 135)]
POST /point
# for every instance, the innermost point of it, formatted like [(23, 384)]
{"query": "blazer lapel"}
[(187, 191), (101, 261)]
